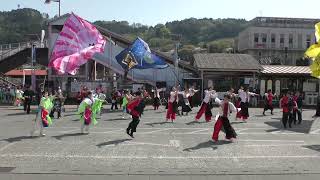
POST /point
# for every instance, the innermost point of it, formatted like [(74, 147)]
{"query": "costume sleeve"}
[(217, 100), (133, 104), (232, 107)]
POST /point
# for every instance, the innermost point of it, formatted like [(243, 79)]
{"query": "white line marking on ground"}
[(240, 130), (194, 132), (174, 143), (264, 140), (154, 157), (315, 131), (7, 146), (272, 145), (107, 132), (150, 132)]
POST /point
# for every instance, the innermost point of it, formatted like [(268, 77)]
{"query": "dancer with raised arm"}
[(268, 102), (185, 102), (245, 95), (192, 92), (156, 97), (135, 108), (226, 107), (172, 105), (205, 106)]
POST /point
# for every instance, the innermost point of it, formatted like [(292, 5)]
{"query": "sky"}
[(152, 12)]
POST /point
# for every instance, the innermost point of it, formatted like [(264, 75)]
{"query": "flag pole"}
[(59, 7)]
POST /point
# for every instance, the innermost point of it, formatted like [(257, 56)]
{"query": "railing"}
[(7, 50)]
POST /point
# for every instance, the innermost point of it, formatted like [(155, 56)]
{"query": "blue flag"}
[(139, 56)]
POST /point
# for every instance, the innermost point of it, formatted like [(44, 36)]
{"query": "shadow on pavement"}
[(118, 119), (238, 122), (304, 127), (20, 138), (313, 147), (158, 123), (196, 122), (68, 135), (207, 144), (115, 142), (67, 115), (21, 114)]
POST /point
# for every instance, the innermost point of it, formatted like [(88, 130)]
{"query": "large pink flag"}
[(77, 43)]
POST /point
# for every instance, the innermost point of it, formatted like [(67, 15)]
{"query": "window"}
[(282, 38), (308, 41), (290, 41), (273, 38), (264, 38), (256, 38), (300, 41)]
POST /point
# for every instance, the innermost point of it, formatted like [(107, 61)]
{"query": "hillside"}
[(210, 35)]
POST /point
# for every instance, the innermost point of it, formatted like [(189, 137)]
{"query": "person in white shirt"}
[(185, 101), (245, 95), (192, 92), (205, 106), (156, 97), (226, 107), (172, 105)]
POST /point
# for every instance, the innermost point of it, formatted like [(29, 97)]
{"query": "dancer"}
[(232, 95), (19, 96), (192, 92), (185, 102), (206, 107), (298, 109), (114, 98), (97, 106), (58, 101), (245, 95), (127, 97), (136, 108), (224, 112), (156, 97), (85, 111), (268, 102), (172, 105), (238, 106), (28, 96), (287, 105), (44, 109)]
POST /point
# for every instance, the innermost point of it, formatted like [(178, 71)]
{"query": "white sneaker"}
[(42, 134)]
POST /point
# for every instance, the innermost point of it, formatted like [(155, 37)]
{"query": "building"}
[(293, 78), (104, 69), (224, 71), (277, 40)]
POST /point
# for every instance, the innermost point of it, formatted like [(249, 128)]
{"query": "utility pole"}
[(177, 39)]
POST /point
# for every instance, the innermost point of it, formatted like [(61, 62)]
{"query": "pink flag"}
[(77, 43)]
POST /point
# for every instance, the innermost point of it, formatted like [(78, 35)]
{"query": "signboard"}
[(262, 87)]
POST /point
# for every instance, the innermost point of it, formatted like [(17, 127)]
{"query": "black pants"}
[(26, 105), (230, 132), (58, 110), (299, 112), (287, 116), (133, 124), (114, 105)]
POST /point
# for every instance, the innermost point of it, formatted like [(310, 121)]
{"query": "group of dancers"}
[(134, 105)]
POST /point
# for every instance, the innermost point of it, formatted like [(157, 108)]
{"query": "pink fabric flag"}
[(77, 43)]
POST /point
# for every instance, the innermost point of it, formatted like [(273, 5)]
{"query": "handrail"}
[(20, 47)]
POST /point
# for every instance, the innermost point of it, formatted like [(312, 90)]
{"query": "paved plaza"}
[(180, 150)]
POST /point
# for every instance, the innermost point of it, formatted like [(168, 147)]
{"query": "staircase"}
[(16, 54)]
